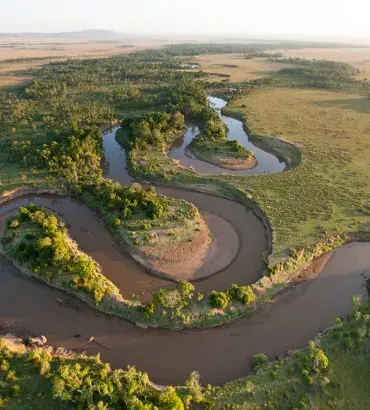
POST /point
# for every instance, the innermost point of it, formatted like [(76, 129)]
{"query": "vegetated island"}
[(212, 145), (38, 243), (224, 153)]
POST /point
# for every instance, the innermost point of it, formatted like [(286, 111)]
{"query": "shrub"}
[(149, 310), (170, 400), (219, 299), (116, 222), (246, 295), (259, 360), (14, 223), (43, 242), (243, 294)]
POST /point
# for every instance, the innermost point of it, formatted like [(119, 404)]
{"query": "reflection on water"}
[(115, 158), (266, 163)]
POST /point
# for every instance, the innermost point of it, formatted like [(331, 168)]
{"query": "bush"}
[(259, 360), (169, 400), (219, 299), (14, 223), (116, 223), (243, 294), (148, 310)]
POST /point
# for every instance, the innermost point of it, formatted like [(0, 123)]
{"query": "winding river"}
[(220, 354), (266, 163)]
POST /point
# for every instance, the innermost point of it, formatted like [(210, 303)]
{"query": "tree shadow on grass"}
[(358, 104)]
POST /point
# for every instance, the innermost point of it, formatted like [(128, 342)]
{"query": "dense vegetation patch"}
[(39, 240), (135, 215), (156, 128)]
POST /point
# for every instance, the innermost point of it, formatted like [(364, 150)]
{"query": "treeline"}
[(319, 69), (323, 74), (191, 49), (262, 54), (28, 59)]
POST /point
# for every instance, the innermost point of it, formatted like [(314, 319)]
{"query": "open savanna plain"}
[(328, 192), (322, 134)]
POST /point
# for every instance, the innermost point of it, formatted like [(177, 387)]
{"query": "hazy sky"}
[(327, 18)]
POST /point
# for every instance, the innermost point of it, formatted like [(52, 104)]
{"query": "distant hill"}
[(102, 35), (90, 34)]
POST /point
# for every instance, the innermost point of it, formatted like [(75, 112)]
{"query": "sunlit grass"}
[(327, 193)]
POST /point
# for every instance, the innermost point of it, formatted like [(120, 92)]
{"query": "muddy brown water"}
[(266, 163), (220, 354), (28, 307)]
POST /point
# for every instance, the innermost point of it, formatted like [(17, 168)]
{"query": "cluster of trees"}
[(318, 69), (170, 301), (46, 89), (214, 128), (243, 294), (16, 113), (76, 157), (138, 68), (189, 98), (90, 383), (67, 116), (43, 247), (262, 54), (157, 129), (123, 202), (43, 244)]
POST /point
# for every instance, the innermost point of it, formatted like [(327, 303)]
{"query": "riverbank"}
[(313, 374)]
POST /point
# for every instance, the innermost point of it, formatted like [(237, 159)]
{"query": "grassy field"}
[(328, 193), (236, 66), (358, 57), (240, 69)]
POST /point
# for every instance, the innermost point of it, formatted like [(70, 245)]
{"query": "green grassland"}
[(328, 192)]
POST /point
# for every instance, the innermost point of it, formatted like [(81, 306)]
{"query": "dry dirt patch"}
[(211, 250)]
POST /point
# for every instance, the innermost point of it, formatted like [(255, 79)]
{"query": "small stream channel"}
[(266, 163)]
